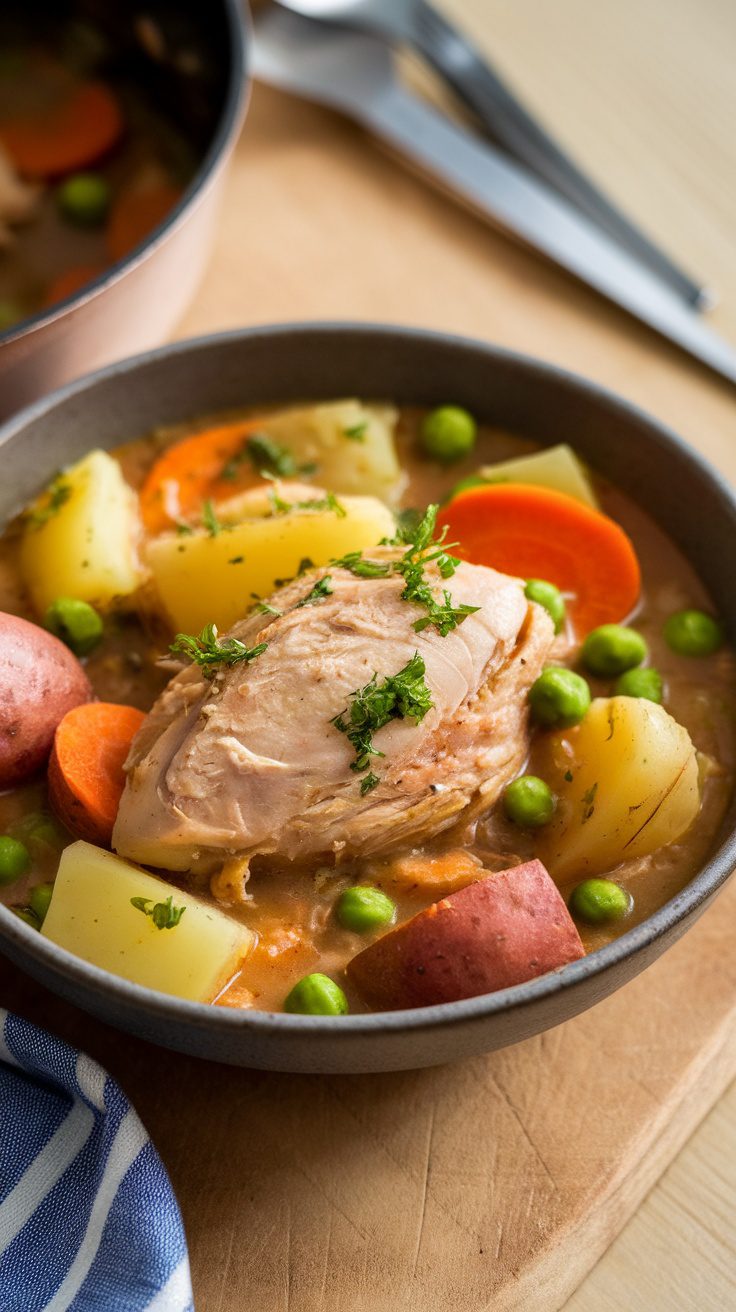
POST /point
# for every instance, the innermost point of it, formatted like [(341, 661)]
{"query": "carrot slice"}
[(135, 213), (70, 281), (438, 872), (86, 778), (71, 134), (190, 472), (537, 533)]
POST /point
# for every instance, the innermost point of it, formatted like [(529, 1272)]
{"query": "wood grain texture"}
[(495, 1184)]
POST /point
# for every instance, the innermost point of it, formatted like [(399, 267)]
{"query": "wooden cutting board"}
[(497, 1183), (492, 1184)]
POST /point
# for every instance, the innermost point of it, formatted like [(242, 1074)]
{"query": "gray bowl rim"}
[(237, 19), (223, 1021)]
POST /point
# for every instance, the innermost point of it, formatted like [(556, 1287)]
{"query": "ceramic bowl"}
[(135, 303), (289, 363)]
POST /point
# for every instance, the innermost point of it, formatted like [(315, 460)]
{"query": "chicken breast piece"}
[(252, 762)]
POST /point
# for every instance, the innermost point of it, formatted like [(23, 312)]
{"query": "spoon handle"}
[(481, 89)]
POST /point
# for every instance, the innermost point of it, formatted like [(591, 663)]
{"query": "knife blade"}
[(354, 73)]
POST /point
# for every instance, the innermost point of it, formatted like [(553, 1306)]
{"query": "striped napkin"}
[(88, 1218)]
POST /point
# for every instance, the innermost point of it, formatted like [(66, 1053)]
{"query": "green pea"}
[(317, 995), (10, 314), (27, 916), (529, 802), (640, 683), (547, 595), (693, 633), (448, 433), (84, 199), (600, 901), (612, 649), (39, 899), (15, 859), (363, 908), (75, 622), (559, 698), (38, 831)]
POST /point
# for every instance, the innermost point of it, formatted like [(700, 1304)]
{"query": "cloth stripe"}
[(128, 1142), (88, 1219), (65, 1144)]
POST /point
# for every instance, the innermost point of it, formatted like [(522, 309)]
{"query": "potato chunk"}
[(557, 468), (81, 537), (627, 783), (91, 915), (351, 444), (201, 578)]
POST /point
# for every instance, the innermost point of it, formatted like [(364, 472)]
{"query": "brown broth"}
[(292, 910)]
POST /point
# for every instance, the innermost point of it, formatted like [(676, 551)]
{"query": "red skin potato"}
[(501, 930), (40, 680)]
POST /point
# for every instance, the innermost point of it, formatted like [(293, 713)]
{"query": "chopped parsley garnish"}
[(422, 549), (56, 495), (210, 653), (163, 914), (589, 803), (305, 563), (370, 782), (264, 608), (356, 432), (183, 529), (318, 593), (210, 520), (402, 696), (278, 505), (266, 457), (328, 502), (364, 569)]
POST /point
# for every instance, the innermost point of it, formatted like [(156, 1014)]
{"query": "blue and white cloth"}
[(88, 1218)]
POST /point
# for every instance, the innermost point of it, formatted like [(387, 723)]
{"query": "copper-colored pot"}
[(135, 303)]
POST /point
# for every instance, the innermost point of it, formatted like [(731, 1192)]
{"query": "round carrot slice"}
[(534, 532), (67, 135), (85, 777)]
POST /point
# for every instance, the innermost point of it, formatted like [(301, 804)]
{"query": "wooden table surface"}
[(319, 224)]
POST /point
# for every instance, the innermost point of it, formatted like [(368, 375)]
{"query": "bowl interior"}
[(690, 501)]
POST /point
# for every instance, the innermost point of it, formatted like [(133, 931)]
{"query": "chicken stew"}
[(347, 708)]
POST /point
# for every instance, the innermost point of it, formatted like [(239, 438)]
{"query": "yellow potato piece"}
[(627, 783), (92, 916), (558, 468), (81, 538), (202, 579), (351, 444)]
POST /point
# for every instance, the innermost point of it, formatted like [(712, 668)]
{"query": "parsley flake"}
[(163, 914), (209, 653), (402, 696), (318, 593), (210, 520), (363, 569), (356, 432), (56, 495)]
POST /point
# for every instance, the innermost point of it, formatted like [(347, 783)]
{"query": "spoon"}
[(418, 24)]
